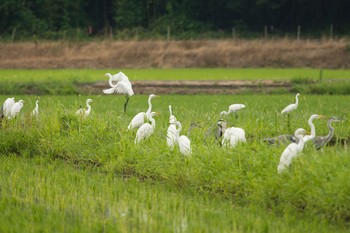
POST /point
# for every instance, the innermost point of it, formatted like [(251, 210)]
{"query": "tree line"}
[(54, 19)]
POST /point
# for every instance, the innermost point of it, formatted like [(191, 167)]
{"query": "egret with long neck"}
[(139, 119), (292, 150), (312, 127), (146, 129)]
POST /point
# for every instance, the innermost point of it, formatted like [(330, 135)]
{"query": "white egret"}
[(171, 132), (232, 136), (139, 119), (321, 141), (292, 150), (7, 106), (312, 127), (146, 129), (233, 108), (84, 113), (16, 108), (183, 141), (291, 107), (35, 111), (123, 86)]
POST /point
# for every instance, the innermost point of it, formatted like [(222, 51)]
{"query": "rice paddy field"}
[(63, 173)]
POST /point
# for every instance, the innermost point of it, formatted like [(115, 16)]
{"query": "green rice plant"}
[(40, 194), (246, 175)]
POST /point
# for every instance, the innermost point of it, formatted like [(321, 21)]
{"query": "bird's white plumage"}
[(183, 141), (7, 106), (123, 85), (146, 129), (84, 113), (291, 107), (291, 150), (171, 138), (312, 127), (233, 136), (140, 118), (233, 108), (35, 111), (16, 108)]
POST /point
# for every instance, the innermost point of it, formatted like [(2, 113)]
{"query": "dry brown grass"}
[(174, 54)]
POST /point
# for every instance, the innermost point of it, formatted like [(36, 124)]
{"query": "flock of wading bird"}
[(226, 136)]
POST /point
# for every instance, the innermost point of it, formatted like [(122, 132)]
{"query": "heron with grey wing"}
[(321, 141)]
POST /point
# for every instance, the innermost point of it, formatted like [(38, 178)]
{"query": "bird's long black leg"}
[(126, 103)]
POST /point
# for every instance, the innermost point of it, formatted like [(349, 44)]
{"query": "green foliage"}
[(43, 195), (247, 174), (59, 19)]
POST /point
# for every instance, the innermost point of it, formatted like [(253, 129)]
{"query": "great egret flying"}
[(292, 150), (139, 119), (123, 86)]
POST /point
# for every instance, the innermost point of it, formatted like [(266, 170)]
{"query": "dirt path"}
[(196, 87)]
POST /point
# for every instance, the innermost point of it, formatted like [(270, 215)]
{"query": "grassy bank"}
[(316, 183), (71, 81)]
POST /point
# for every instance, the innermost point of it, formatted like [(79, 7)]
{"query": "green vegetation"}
[(70, 81), (315, 185), (187, 19), (41, 195), (91, 75)]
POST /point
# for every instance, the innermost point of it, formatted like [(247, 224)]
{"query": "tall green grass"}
[(316, 183), (70, 81), (92, 75), (42, 195)]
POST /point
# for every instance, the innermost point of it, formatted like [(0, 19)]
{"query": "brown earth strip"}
[(196, 87)]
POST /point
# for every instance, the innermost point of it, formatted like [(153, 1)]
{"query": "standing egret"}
[(84, 113), (312, 127), (146, 129), (183, 141), (321, 141), (16, 108), (7, 106), (123, 86), (35, 111), (232, 136), (233, 108), (292, 150), (171, 132), (291, 107), (139, 119)]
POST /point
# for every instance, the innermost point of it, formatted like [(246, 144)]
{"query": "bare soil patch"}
[(196, 87)]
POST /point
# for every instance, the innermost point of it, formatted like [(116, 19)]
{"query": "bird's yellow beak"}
[(321, 116)]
